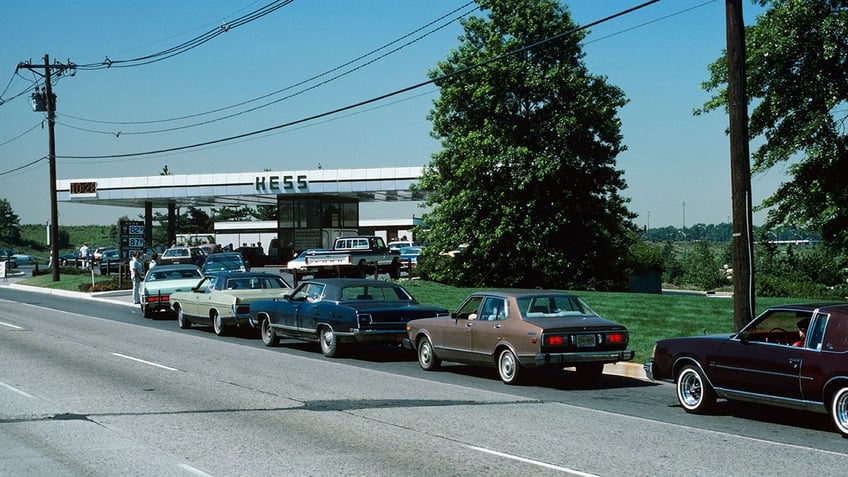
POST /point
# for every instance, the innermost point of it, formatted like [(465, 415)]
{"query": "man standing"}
[(83, 255), (137, 276)]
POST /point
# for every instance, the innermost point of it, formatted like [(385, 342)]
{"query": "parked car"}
[(178, 255), (8, 256), (299, 262), (254, 256), (223, 300), (333, 311), (163, 280), (69, 259), (22, 259), (409, 258), (793, 356), (516, 329), (209, 248), (110, 261), (224, 262), (399, 244)]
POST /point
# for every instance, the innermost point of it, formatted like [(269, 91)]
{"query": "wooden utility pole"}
[(46, 102), (740, 167)]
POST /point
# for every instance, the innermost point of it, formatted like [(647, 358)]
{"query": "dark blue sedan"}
[(340, 310)]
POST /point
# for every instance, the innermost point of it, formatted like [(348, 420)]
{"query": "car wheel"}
[(693, 391), (839, 411), (426, 356), (508, 367), (589, 371), (182, 320), (269, 337), (328, 341), (218, 324)]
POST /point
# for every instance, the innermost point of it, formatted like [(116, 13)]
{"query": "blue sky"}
[(677, 166)]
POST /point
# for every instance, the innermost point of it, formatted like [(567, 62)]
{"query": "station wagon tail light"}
[(617, 338), (241, 309)]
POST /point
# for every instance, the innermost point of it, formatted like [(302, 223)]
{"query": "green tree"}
[(526, 176), (10, 224), (797, 76)]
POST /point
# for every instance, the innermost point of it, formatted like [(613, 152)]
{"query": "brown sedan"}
[(516, 329), (793, 356)]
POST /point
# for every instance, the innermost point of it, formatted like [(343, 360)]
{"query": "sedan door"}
[(754, 367), (488, 330), (454, 336)]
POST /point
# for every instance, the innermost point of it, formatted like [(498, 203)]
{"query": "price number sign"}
[(132, 237)]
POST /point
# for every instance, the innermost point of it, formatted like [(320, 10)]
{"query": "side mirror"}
[(744, 337)]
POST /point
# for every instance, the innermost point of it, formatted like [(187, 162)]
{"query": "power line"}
[(375, 99), (300, 83)]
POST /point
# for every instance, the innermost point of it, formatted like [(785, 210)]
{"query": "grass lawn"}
[(66, 281)]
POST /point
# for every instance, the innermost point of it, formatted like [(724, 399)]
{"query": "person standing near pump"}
[(137, 276)]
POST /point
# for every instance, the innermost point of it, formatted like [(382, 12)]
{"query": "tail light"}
[(554, 340), (617, 338)]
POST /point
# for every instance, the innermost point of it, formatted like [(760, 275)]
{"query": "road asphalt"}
[(124, 297)]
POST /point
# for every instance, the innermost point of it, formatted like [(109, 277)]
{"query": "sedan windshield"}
[(552, 306)]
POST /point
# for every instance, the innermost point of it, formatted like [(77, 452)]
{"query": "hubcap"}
[(690, 389)]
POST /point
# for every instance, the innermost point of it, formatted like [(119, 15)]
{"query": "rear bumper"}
[(374, 336), (566, 359)]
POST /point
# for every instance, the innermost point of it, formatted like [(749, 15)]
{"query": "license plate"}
[(585, 341)]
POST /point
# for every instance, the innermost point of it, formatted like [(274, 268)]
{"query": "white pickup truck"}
[(355, 256)]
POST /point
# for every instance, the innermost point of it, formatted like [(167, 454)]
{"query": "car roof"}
[(184, 266), (243, 274), (341, 282), (518, 292)]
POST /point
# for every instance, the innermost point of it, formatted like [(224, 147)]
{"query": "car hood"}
[(581, 322)]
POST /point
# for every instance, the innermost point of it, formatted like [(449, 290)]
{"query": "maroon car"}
[(793, 356), (516, 329)]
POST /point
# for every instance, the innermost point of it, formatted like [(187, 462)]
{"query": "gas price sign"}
[(132, 238)]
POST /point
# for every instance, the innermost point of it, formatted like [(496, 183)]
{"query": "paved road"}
[(89, 387)]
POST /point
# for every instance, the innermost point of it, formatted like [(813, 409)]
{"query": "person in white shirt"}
[(83, 255), (137, 276)]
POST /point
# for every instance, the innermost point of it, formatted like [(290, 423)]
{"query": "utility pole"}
[(740, 167), (42, 102)]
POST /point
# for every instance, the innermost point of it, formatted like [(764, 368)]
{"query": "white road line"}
[(11, 325), (145, 362), (16, 390), (530, 461), (194, 471)]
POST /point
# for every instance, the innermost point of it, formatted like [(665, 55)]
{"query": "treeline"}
[(720, 233)]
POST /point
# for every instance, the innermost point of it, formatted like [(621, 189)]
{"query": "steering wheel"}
[(781, 331)]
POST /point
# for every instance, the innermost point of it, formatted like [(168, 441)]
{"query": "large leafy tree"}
[(526, 177), (797, 77)]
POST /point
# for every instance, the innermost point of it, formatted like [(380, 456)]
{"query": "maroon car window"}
[(836, 334), (777, 326), (817, 331)]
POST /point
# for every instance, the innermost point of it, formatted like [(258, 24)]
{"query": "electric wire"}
[(372, 100), (190, 44), (295, 85), (170, 52)]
